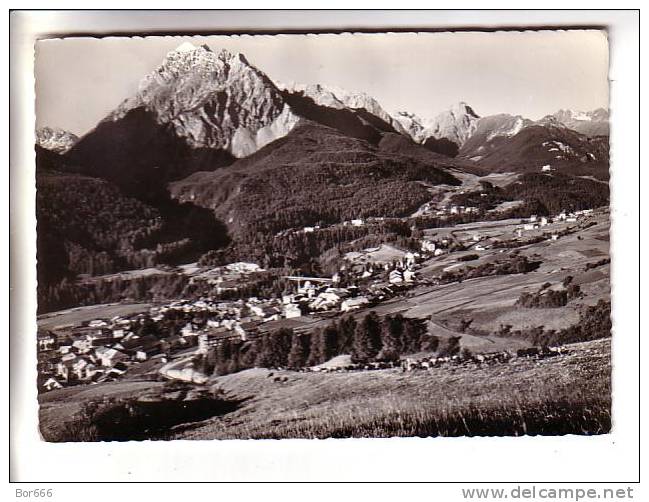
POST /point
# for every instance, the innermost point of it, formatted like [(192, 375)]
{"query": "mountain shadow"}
[(185, 221), (442, 145), (356, 123), (140, 155), (88, 226)]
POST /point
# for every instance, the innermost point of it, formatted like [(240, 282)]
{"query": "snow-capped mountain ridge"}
[(218, 101), (339, 98), (456, 124), (598, 114), (460, 123), (413, 125), (592, 123), (510, 125)]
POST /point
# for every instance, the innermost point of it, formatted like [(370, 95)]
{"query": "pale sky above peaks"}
[(80, 80)]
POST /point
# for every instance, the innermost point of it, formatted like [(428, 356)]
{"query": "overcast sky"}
[(79, 81)]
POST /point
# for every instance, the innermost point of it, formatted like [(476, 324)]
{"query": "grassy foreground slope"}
[(568, 394)]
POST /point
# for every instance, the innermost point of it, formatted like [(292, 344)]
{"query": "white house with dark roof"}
[(354, 303), (292, 310), (52, 384), (396, 276), (109, 357)]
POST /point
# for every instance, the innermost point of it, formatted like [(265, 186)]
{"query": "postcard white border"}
[(602, 458)]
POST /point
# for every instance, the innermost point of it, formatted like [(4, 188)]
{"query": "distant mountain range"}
[(205, 109), (594, 123), (461, 124), (213, 151), (456, 124), (55, 139)]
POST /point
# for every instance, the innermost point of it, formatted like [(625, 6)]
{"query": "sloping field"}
[(80, 314), (335, 362), (491, 301), (127, 275), (504, 206), (565, 394), (471, 182), (382, 254), (59, 406)]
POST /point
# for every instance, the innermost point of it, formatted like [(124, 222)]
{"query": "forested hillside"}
[(559, 192), (315, 175), (535, 146), (541, 193), (140, 155), (88, 226)]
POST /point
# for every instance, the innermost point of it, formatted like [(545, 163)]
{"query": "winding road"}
[(183, 369)]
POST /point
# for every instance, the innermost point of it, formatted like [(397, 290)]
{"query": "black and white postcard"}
[(323, 236)]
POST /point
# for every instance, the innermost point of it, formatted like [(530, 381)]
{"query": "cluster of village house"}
[(431, 208), (455, 209), (427, 208), (227, 277), (103, 350), (359, 222), (483, 242), (94, 352), (534, 222)]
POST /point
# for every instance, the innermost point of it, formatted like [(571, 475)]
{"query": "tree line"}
[(594, 323), (550, 298), (558, 192), (371, 339), (514, 264)]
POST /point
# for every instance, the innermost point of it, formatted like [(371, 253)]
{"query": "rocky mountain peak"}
[(550, 121), (456, 124), (213, 100), (461, 108), (185, 47), (412, 124), (599, 114), (55, 139)]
